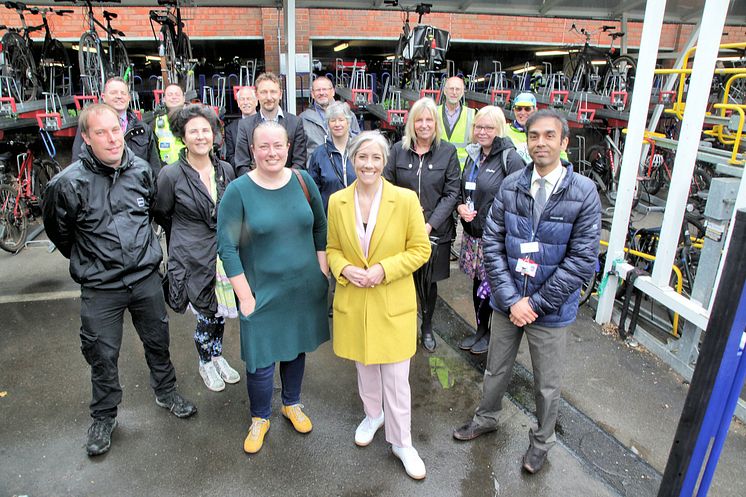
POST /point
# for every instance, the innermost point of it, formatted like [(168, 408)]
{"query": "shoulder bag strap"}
[(302, 185)]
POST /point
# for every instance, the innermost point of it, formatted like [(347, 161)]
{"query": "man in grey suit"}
[(269, 94)]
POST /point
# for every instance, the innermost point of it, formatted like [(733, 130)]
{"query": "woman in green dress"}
[(272, 240)]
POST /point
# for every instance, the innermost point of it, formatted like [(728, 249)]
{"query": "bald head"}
[(454, 89)]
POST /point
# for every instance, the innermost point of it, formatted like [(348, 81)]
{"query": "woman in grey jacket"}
[(423, 162), (189, 192), (490, 160)]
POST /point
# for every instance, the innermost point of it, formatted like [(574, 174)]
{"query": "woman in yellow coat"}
[(376, 240)]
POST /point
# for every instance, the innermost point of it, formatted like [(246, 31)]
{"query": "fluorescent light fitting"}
[(341, 46), (598, 62), (524, 69), (153, 58), (733, 58), (391, 57), (76, 47), (549, 53)]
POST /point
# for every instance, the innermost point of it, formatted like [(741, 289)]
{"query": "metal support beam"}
[(549, 5), (289, 11), (626, 7), (624, 41), (691, 133), (651, 32)]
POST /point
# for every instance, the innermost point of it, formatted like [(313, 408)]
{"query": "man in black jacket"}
[(246, 99), (269, 94), (137, 135), (98, 212)]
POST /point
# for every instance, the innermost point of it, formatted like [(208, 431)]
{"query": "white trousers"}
[(385, 388)]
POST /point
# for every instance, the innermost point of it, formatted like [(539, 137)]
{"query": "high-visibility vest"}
[(461, 133), (520, 141), (169, 145)]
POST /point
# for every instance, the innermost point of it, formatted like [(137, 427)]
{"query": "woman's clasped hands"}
[(364, 278)]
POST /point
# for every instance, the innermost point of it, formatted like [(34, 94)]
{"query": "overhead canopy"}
[(687, 11)]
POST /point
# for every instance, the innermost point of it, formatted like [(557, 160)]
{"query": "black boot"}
[(482, 345), (468, 342), (428, 338)]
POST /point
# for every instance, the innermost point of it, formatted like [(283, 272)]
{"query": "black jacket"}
[(186, 211), (437, 185), (489, 175), (229, 140), (99, 218), (243, 160), (139, 138)]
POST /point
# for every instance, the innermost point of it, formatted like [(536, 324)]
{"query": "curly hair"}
[(179, 119)]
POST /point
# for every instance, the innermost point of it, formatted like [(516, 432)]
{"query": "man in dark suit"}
[(269, 94), (246, 99)]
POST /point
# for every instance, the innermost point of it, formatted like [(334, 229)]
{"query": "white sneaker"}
[(228, 374), (211, 377), (413, 465), (367, 430)]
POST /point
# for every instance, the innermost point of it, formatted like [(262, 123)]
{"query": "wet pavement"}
[(617, 421)]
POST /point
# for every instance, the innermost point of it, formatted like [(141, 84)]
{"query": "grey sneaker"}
[(178, 405), (99, 436)]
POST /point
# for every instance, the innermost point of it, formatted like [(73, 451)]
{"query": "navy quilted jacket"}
[(568, 235)]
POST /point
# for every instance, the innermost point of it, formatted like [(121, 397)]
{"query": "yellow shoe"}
[(255, 439), (300, 421)]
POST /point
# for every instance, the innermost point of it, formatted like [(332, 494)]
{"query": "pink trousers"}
[(386, 387)]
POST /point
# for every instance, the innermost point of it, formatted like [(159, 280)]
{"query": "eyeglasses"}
[(488, 129), (522, 108), (319, 90)]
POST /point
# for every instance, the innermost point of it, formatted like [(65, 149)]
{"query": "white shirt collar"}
[(552, 179), (277, 117)]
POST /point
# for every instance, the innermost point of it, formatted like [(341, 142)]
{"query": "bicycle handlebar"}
[(172, 3)]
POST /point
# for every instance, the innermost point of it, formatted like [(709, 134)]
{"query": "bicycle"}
[(21, 193), (95, 69), (618, 73), (26, 73), (173, 43), (420, 52)]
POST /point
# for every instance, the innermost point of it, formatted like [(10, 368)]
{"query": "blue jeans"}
[(260, 383)]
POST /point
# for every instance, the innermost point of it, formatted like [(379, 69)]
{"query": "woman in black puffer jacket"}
[(423, 162), (491, 158)]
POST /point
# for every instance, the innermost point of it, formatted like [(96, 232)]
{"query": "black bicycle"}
[(99, 60), (173, 43), (25, 73), (616, 74)]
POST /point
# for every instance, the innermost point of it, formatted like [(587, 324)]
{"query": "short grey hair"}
[(339, 109), (369, 136)]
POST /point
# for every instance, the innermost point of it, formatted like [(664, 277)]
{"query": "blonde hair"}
[(494, 115), (425, 104)]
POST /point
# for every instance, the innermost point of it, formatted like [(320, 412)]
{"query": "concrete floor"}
[(618, 402)]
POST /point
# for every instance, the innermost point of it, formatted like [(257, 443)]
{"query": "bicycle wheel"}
[(599, 170), (43, 172), (54, 60), (625, 66), (13, 222), (120, 61), (91, 65), (20, 67), (170, 55)]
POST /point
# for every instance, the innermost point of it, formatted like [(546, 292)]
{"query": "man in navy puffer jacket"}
[(540, 244)]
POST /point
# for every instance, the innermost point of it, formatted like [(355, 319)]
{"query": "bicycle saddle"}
[(109, 15), (118, 32), (172, 3), (614, 36)]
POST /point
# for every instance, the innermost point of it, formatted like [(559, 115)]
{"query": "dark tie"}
[(540, 199)]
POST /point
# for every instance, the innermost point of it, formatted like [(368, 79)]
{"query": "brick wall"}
[(350, 24)]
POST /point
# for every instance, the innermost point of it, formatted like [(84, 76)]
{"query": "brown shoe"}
[(534, 459), (471, 430)]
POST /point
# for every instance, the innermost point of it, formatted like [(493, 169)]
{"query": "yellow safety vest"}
[(169, 146), (520, 141), (461, 134)]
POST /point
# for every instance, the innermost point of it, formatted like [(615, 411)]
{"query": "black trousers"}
[(102, 317)]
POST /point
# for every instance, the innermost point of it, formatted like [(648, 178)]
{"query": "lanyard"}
[(345, 160)]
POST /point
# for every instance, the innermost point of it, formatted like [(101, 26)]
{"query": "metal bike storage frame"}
[(678, 353)]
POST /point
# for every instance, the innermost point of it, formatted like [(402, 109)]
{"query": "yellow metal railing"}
[(677, 272)]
